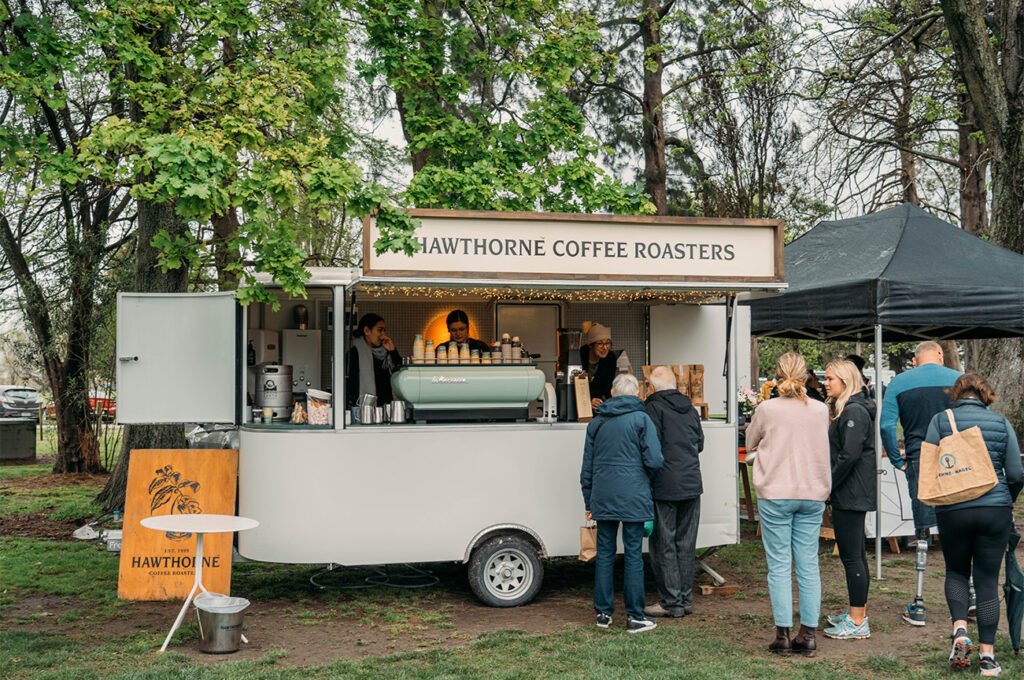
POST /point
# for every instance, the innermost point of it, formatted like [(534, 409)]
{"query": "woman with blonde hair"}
[(851, 438), (792, 478)]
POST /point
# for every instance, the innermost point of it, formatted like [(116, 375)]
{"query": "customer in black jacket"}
[(851, 438), (676, 488)]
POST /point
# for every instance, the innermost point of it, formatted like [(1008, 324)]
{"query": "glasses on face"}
[(603, 343)]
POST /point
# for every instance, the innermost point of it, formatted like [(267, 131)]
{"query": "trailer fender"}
[(527, 533)]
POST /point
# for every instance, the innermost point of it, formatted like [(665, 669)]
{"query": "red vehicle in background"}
[(99, 402), (105, 405)]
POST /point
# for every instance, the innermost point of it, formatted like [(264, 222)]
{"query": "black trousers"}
[(849, 528), (974, 541), (673, 548)]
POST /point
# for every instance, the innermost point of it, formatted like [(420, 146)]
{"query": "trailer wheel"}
[(505, 571)]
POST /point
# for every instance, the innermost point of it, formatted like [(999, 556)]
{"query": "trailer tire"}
[(505, 571)]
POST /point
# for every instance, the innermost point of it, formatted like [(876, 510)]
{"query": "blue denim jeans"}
[(633, 583), (789, 531), (924, 515)]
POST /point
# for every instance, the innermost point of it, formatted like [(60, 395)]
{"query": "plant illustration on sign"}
[(169, 488)]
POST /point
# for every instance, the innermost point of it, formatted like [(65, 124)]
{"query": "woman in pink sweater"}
[(793, 479)]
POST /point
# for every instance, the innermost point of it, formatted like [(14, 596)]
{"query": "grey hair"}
[(625, 384), (662, 378), (927, 346)]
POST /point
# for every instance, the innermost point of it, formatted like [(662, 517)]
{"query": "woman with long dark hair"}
[(371, 361), (975, 533), (793, 479), (851, 439)]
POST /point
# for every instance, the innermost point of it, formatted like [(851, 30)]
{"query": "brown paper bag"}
[(588, 543), (958, 469)]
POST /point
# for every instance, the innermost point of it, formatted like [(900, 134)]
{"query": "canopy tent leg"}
[(878, 451), (731, 398)]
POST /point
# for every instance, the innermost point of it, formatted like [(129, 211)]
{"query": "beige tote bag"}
[(958, 469)]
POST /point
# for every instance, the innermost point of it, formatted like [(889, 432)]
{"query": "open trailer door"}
[(178, 358)]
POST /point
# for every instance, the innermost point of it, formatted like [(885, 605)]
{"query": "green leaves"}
[(483, 92)]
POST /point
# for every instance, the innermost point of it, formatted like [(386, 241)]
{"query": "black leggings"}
[(975, 537), (849, 528)]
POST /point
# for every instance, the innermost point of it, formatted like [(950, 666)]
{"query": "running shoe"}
[(836, 619), (914, 614), (848, 630), (604, 620), (990, 668), (960, 656), (639, 625)]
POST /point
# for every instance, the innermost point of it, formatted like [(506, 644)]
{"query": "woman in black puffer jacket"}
[(851, 438), (975, 533)]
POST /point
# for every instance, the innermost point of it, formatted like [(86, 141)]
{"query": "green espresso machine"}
[(468, 392)]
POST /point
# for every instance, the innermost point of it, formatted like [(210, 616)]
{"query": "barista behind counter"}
[(458, 329), (371, 361), (601, 362)]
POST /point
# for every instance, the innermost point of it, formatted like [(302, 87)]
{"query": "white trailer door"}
[(177, 357)]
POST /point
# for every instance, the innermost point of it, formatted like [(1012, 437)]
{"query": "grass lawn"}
[(60, 619)]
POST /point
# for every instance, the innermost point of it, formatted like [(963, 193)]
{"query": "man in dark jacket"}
[(620, 455), (676, 489)]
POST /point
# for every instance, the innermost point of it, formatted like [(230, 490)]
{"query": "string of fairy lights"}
[(512, 294)]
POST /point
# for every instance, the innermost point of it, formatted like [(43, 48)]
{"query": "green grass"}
[(512, 655), (64, 502)]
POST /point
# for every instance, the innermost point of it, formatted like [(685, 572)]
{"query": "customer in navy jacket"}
[(975, 533), (620, 455)]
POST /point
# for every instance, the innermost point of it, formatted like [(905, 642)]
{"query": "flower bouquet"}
[(747, 400)]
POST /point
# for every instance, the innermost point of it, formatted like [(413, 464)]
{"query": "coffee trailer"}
[(495, 492)]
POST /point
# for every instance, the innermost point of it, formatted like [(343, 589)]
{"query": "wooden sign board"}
[(696, 376), (584, 412), (157, 565)]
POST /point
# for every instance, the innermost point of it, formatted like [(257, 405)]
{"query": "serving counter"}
[(419, 493)]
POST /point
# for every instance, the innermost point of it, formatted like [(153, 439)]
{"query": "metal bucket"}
[(220, 622)]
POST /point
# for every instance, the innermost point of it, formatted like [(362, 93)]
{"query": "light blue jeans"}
[(789, 531)]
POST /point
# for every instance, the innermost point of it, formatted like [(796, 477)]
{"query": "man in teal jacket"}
[(913, 398)]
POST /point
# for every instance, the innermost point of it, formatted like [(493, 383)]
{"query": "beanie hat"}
[(593, 332)]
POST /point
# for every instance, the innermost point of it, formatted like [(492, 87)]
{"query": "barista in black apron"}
[(601, 362)]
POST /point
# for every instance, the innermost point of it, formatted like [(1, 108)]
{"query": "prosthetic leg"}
[(914, 614)]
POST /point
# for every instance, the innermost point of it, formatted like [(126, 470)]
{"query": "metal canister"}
[(274, 389)]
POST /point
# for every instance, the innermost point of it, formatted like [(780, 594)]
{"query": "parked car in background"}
[(19, 401)]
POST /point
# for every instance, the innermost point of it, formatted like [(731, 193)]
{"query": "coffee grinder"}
[(569, 366)]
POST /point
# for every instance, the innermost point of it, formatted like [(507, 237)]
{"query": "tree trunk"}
[(987, 39), (655, 170), (950, 355), (973, 172), (149, 279)]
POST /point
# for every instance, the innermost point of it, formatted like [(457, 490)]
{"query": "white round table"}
[(197, 524)]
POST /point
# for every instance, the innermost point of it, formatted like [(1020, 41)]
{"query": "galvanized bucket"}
[(220, 622)]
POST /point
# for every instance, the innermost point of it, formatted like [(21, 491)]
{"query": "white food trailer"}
[(495, 494)]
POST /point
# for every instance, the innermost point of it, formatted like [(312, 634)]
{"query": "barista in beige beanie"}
[(601, 361)]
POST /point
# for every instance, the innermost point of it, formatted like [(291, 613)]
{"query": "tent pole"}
[(878, 451)]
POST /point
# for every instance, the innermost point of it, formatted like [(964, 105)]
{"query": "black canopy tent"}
[(900, 273), (914, 274)]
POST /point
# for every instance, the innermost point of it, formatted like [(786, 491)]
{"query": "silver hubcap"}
[(508, 573)]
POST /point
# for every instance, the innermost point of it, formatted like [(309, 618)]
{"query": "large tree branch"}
[(979, 68), (876, 141)]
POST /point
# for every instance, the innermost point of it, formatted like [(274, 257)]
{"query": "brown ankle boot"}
[(781, 646), (804, 642)]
